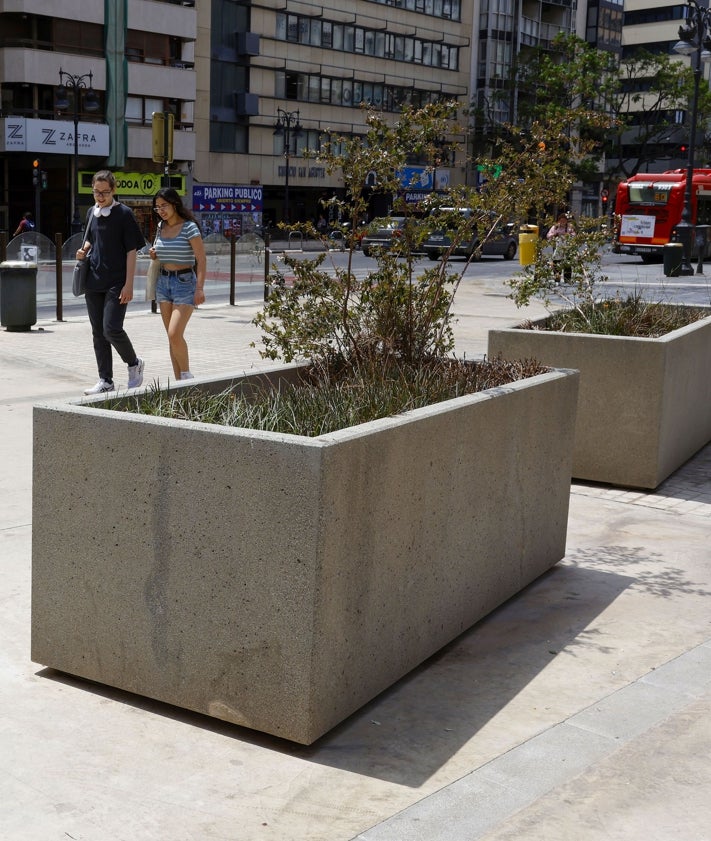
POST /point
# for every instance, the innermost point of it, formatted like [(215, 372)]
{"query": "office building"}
[(307, 67)]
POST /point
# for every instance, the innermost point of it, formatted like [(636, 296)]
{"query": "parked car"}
[(502, 242), (381, 233)]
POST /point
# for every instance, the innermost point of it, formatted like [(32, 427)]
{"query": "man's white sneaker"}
[(100, 387), (135, 373)]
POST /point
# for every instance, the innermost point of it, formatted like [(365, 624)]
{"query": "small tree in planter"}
[(396, 322), (577, 301), (569, 270), (644, 404), (395, 315)]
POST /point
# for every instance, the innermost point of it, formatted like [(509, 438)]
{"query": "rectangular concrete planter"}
[(281, 582), (644, 405)]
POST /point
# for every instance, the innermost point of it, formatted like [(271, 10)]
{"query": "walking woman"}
[(181, 282), (557, 234)]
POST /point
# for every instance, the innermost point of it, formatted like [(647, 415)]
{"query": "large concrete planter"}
[(281, 582), (644, 405)]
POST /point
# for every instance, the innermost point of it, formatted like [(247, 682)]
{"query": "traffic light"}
[(43, 179), (683, 148), (604, 195), (162, 136), (36, 175)]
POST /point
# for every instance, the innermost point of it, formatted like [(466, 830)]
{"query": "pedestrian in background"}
[(111, 244), (181, 283), (557, 234), (27, 224)]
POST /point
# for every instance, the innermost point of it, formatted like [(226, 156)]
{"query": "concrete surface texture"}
[(578, 710), (644, 405), (267, 576)]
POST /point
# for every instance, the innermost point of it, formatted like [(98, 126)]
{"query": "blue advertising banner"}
[(416, 178), (226, 198), (419, 182)]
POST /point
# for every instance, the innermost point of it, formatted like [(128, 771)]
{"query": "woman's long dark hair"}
[(170, 195)]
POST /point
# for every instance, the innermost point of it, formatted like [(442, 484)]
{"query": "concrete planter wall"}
[(644, 405), (281, 582)]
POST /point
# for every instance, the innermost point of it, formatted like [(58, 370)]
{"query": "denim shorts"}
[(176, 287)]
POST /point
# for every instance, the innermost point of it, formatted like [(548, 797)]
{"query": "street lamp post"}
[(288, 127), (67, 82), (694, 41)]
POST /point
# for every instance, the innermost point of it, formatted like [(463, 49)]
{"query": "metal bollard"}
[(267, 252), (701, 240), (58, 279)]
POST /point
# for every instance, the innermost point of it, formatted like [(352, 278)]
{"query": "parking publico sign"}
[(227, 198)]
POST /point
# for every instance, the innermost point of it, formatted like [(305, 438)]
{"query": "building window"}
[(228, 137), (229, 130), (76, 36), (314, 87), (449, 9), (316, 32), (139, 110), (134, 110), (149, 47), (327, 35)]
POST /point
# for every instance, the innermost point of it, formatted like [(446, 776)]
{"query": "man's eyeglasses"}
[(101, 193)]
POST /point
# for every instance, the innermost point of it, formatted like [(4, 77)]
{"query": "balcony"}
[(140, 143), (158, 81)]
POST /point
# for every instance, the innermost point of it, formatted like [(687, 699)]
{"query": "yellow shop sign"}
[(135, 183)]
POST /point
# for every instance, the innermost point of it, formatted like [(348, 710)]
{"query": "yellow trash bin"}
[(527, 238)]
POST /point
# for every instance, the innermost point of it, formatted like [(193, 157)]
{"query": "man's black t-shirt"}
[(111, 238)]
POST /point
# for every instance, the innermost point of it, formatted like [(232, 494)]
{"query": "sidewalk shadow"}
[(409, 731), (648, 570)]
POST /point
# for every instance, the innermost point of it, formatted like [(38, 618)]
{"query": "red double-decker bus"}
[(649, 206)]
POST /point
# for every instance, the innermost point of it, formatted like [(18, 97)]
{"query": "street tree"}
[(641, 95)]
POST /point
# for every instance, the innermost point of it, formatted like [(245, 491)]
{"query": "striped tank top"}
[(177, 250)]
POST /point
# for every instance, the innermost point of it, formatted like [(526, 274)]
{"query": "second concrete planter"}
[(644, 405)]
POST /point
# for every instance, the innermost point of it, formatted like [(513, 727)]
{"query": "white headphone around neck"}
[(104, 211)]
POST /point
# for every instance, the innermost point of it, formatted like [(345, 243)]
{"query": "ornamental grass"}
[(325, 403)]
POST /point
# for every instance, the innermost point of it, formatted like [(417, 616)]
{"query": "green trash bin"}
[(18, 295), (673, 253), (527, 238)]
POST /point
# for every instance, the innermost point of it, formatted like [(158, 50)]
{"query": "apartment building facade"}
[(95, 71), (228, 71), (506, 32), (281, 77), (653, 25)]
